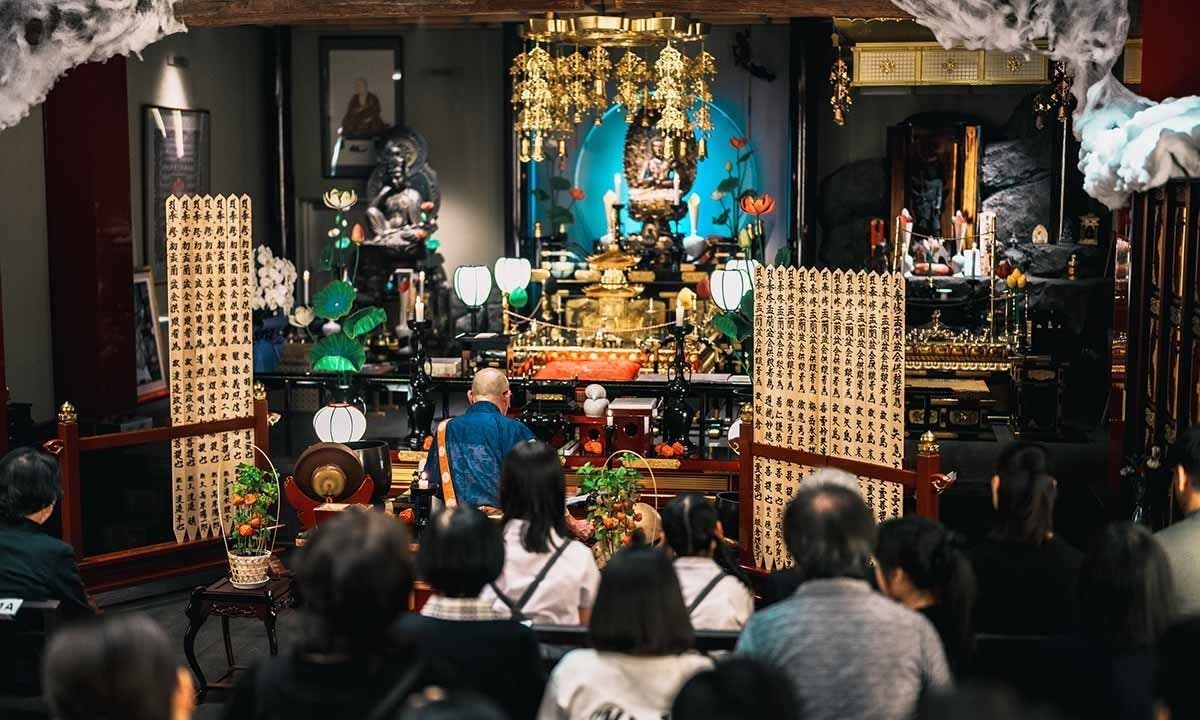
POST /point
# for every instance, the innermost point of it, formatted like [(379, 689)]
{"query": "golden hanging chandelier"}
[(564, 72)]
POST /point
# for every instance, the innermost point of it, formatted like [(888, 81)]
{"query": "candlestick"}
[(420, 310), (306, 276)]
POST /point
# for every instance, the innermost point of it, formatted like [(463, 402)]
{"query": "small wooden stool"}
[(225, 601)]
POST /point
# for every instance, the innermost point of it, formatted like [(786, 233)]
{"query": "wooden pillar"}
[(746, 487), (89, 238), (929, 464), (66, 448)]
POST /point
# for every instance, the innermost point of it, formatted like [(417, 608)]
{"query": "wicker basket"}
[(248, 572)]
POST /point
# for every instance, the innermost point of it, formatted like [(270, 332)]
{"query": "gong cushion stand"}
[(326, 473)]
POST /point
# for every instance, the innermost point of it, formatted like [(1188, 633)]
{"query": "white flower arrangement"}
[(274, 283)]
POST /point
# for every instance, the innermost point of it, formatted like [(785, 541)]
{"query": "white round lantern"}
[(340, 422), (728, 287), (472, 285), (746, 267), (512, 273)]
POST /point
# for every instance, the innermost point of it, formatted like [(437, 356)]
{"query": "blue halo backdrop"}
[(601, 155)]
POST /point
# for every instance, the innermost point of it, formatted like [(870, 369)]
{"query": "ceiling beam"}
[(217, 13)]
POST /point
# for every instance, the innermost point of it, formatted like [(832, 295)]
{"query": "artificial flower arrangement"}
[(274, 296), (743, 212), (341, 349)]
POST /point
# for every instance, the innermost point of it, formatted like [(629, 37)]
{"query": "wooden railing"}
[(923, 485), (121, 568)]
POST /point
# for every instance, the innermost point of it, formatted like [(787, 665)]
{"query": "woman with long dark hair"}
[(355, 575), (1028, 576), (1127, 600), (918, 563), (641, 650), (547, 577), (713, 585)]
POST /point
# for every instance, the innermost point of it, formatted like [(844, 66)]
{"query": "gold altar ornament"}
[(67, 414), (839, 83), (555, 85)]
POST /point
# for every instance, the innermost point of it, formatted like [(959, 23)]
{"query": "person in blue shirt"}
[(476, 442)]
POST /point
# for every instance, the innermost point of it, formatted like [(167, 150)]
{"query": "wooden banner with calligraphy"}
[(209, 292), (828, 380)]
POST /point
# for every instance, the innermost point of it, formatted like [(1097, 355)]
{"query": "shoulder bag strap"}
[(405, 686), (448, 495), (533, 586), (704, 593)]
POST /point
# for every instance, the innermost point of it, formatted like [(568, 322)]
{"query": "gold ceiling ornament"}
[(703, 70), (533, 100), (839, 83), (556, 82)]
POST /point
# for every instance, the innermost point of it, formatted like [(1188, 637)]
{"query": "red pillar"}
[(1170, 53), (88, 230)]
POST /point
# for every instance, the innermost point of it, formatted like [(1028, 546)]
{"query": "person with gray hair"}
[(782, 583), (463, 465), (848, 651)]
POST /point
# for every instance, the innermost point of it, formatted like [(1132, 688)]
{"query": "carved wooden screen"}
[(209, 292), (828, 380)]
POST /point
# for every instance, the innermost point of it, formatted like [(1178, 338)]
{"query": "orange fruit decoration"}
[(236, 500), (251, 498), (245, 530)]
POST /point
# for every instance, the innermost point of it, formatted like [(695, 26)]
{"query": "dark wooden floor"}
[(249, 636)]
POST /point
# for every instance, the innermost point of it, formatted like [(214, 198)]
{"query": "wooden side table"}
[(225, 601)]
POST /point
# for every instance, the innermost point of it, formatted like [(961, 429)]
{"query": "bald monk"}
[(470, 448)]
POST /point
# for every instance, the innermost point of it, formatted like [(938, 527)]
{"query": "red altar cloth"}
[(589, 370)]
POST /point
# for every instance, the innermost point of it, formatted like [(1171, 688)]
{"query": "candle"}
[(617, 188), (306, 276), (421, 284), (678, 314), (420, 310), (675, 185), (558, 303)]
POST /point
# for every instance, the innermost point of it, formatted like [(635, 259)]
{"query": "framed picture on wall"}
[(177, 157), (362, 97), (149, 364)]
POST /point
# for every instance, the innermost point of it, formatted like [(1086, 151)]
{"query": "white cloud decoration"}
[(1127, 142), (42, 39)]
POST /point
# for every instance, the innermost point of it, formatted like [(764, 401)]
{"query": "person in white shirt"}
[(548, 578), (641, 646), (714, 593)]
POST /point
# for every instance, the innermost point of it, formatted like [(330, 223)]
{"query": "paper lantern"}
[(340, 422), (512, 273), (746, 267), (472, 285), (728, 287)]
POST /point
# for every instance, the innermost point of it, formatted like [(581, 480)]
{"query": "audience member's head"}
[(119, 666), (533, 489), (28, 486), (356, 575), (1023, 494), (1174, 671), (1184, 461), (435, 704), (830, 533), (461, 552), (639, 607), (738, 688), (490, 385), (919, 563), (979, 702), (690, 526), (1125, 588), (833, 476)]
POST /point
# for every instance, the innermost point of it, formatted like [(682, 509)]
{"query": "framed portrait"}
[(362, 98), (177, 157), (150, 365)]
